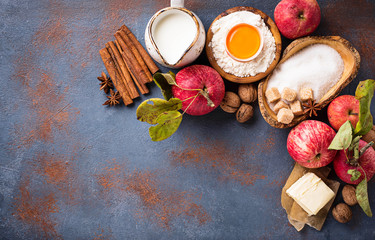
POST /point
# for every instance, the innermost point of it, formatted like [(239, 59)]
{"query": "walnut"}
[(231, 102), (244, 113), (348, 194), (342, 213), (248, 93)]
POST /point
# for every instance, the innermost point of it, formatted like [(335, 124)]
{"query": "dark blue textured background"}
[(59, 144)]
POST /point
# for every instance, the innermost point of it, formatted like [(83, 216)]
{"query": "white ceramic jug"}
[(175, 36)]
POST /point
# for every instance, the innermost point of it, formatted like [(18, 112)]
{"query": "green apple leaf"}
[(354, 147), (149, 110), (354, 173), (362, 197), (364, 93), (168, 123), (164, 82), (343, 137)]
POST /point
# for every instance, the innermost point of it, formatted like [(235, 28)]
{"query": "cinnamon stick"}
[(121, 67), (115, 75), (149, 62), (140, 77), (139, 72), (140, 86), (136, 54)]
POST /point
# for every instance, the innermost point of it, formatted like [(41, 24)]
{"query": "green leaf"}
[(149, 110), (164, 82), (354, 146), (170, 77), (362, 197), (343, 137), (355, 174), (168, 123), (364, 93)]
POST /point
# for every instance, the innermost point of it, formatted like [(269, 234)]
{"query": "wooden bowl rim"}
[(275, 33), (263, 105)]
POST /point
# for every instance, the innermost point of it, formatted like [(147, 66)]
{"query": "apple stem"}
[(363, 150), (354, 161), (353, 113), (187, 89), (205, 94), (300, 15), (195, 97), (190, 97)]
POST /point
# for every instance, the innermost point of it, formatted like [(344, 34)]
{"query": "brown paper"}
[(296, 215)]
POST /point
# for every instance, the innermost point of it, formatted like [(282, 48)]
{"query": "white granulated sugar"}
[(220, 30), (318, 67)]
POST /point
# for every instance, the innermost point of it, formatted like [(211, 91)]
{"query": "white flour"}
[(318, 67), (242, 69)]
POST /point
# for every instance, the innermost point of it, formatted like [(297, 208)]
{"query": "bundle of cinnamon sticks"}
[(128, 64)]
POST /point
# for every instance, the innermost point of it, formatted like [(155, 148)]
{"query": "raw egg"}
[(244, 42)]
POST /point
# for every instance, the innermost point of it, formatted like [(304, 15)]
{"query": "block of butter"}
[(311, 193)]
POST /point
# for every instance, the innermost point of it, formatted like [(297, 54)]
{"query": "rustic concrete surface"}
[(74, 169)]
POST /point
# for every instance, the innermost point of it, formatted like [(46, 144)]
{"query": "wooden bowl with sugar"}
[(350, 57), (275, 32)]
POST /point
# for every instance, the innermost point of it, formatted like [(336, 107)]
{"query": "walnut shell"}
[(348, 194), (244, 113), (231, 102), (342, 213), (248, 93)]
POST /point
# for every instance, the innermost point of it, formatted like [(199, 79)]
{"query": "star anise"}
[(113, 99), (106, 83), (311, 108)]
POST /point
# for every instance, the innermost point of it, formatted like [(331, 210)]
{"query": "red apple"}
[(341, 109), (308, 144), (366, 161), (297, 18), (193, 79)]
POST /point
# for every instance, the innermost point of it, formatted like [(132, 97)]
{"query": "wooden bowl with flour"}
[(351, 60), (276, 35)]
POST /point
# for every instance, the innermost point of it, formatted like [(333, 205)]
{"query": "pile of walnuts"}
[(240, 104), (342, 212)]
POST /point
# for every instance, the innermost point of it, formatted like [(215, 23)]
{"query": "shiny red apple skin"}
[(199, 77), (297, 18), (341, 109), (308, 144), (367, 162)]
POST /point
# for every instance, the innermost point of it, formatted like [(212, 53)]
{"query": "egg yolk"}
[(243, 41)]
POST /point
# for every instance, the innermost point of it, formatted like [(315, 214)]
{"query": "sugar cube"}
[(273, 95), (289, 94), (306, 94), (285, 116), (279, 105), (296, 107)]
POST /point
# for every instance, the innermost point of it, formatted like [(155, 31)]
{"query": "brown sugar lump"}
[(289, 94), (279, 105), (296, 107), (273, 95), (306, 94), (285, 116)]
